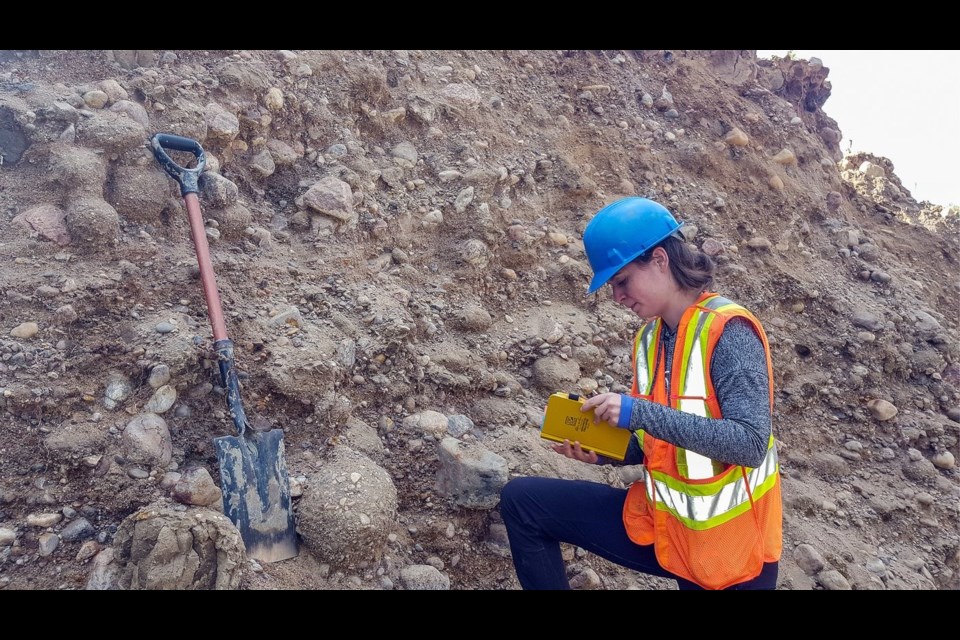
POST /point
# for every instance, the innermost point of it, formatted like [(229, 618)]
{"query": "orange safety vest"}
[(710, 522)]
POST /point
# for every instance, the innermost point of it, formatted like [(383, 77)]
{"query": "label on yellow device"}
[(565, 421)]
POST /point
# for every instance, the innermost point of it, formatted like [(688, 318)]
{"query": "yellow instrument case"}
[(565, 421)]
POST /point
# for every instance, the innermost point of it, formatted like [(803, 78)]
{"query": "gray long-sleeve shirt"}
[(739, 372)]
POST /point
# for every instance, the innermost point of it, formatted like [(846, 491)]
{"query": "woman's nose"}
[(618, 294)]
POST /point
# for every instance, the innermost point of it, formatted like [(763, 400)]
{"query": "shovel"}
[(253, 471)]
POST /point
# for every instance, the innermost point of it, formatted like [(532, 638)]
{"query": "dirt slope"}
[(396, 240)]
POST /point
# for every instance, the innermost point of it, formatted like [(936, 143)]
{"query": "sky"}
[(901, 105)]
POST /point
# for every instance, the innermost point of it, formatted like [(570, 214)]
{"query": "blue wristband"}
[(626, 410)]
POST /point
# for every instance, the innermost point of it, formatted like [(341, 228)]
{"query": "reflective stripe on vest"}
[(647, 337), (692, 395), (701, 506)]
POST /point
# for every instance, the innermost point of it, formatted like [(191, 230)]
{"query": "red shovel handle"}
[(199, 234), (189, 187)]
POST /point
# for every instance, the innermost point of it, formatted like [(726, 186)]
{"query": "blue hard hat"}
[(620, 232)]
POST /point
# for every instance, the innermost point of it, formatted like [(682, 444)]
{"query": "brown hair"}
[(693, 270)]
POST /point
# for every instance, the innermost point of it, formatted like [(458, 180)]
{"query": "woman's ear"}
[(660, 258)]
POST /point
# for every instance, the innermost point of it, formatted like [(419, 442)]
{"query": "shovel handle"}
[(188, 179)]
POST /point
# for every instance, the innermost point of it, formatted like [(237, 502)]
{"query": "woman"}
[(707, 510)]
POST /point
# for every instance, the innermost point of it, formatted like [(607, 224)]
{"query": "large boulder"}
[(347, 510), (162, 548)]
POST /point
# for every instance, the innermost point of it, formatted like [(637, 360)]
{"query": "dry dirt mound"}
[(396, 241)]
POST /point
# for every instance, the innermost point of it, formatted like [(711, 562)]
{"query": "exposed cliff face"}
[(396, 237)]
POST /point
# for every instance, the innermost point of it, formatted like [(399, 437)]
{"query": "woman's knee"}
[(513, 492), (515, 496)]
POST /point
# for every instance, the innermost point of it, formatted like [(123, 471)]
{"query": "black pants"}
[(540, 513)]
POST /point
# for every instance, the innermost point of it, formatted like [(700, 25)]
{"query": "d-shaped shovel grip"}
[(188, 179)]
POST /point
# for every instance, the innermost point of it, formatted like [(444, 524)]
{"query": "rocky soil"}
[(396, 238)]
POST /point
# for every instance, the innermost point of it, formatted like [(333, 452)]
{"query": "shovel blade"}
[(256, 493)]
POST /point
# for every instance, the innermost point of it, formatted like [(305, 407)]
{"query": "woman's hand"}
[(606, 407), (576, 452)]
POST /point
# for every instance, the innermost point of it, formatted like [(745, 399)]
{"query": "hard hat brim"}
[(600, 278)]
